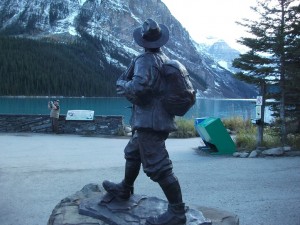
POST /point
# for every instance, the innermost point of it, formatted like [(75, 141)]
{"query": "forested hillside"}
[(30, 67)]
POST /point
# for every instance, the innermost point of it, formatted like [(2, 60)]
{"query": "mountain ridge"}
[(112, 22)]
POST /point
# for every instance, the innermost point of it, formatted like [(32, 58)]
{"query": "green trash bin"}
[(215, 135)]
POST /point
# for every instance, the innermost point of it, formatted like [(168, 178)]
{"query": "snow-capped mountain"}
[(112, 22), (223, 54)]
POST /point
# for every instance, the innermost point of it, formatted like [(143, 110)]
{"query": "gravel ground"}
[(38, 170)]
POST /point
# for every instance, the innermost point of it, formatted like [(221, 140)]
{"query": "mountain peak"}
[(112, 22)]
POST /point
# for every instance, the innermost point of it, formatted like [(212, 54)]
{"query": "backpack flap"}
[(179, 94)]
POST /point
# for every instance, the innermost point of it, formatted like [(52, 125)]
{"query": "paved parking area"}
[(38, 170)]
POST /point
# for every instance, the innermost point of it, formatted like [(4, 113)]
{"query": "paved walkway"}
[(38, 170)]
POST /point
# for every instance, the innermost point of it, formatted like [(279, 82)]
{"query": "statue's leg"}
[(176, 208), (159, 168), (133, 160), (123, 190), (132, 169)]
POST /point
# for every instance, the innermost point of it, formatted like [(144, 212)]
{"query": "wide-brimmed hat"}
[(151, 34)]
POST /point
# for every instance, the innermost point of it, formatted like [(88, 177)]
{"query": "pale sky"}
[(203, 18)]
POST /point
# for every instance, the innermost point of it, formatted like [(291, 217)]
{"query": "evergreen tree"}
[(273, 56), (293, 69), (46, 67)]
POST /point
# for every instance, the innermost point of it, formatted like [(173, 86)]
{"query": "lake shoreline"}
[(204, 107)]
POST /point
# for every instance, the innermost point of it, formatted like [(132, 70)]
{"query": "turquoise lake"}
[(221, 108)]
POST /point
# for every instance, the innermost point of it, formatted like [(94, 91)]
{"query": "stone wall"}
[(101, 125)]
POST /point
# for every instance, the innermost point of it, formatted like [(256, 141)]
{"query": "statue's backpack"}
[(179, 94)]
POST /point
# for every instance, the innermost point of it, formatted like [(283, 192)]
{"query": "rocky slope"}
[(112, 22)]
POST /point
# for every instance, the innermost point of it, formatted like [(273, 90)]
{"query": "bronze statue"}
[(142, 84)]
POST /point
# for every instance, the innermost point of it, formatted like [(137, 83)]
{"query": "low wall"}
[(101, 125)]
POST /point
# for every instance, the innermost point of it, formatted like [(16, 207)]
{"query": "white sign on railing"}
[(258, 112), (80, 115)]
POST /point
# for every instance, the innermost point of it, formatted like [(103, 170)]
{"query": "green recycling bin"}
[(215, 135)]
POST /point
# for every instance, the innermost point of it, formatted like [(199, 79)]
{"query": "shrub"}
[(294, 141), (245, 140), (246, 135), (271, 137), (120, 131), (236, 123), (186, 128)]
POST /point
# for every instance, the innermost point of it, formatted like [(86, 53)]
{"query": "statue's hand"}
[(121, 87)]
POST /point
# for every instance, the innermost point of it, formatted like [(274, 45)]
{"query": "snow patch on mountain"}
[(81, 2), (111, 23), (67, 24), (224, 64)]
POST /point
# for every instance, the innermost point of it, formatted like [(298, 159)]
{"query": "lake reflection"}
[(222, 108)]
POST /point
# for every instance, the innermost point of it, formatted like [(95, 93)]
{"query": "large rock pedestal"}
[(83, 208)]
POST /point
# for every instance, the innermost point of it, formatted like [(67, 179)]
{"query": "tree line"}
[(42, 67)]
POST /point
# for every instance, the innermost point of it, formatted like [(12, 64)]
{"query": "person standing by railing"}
[(54, 115)]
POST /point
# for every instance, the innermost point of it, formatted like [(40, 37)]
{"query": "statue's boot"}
[(175, 215), (122, 191)]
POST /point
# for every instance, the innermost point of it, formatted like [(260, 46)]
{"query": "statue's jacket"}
[(143, 85)]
